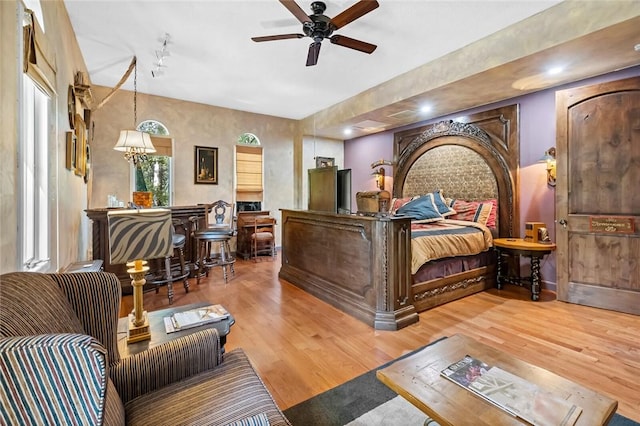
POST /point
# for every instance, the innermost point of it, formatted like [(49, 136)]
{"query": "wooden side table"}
[(520, 247)]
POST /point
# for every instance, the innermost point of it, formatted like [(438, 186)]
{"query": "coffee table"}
[(159, 334), (417, 379)]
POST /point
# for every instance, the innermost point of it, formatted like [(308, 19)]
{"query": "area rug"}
[(365, 401)]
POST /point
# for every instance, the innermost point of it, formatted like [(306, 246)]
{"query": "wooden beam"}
[(117, 86)]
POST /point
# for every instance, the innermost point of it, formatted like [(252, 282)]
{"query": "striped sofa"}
[(60, 364)]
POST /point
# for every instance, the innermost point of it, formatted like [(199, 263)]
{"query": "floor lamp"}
[(135, 235)]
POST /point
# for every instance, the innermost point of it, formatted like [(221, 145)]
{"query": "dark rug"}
[(344, 403)]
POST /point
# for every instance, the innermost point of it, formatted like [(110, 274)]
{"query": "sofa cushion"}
[(33, 303), (95, 299), (232, 391), (53, 378)]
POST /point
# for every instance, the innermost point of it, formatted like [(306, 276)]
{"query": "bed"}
[(472, 164), (363, 264)]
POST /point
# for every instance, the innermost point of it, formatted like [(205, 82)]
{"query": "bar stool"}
[(218, 233), (170, 275)]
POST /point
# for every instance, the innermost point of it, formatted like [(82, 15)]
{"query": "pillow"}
[(441, 204), (396, 203), (422, 209), (257, 420), (491, 220), (474, 211)]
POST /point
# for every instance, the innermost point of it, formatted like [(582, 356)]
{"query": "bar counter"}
[(100, 238)]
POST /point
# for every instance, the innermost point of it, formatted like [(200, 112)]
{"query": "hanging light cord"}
[(135, 94), (136, 155)]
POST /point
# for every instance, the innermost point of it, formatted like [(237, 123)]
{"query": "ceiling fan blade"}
[(276, 37), (354, 12), (314, 52), (352, 43), (296, 10)]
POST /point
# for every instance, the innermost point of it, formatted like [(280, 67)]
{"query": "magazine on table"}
[(195, 318), (511, 393)]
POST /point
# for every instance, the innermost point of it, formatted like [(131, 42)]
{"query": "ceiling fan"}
[(319, 26)]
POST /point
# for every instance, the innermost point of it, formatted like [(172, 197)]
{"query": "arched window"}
[(248, 139), (155, 174), (153, 128)]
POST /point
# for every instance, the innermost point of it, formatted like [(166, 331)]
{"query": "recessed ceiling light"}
[(425, 109), (555, 70), (637, 47), (347, 131)]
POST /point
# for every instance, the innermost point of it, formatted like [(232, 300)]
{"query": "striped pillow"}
[(474, 211), (257, 420), (53, 376)]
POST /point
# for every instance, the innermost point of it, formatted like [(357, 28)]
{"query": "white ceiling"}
[(213, 60)]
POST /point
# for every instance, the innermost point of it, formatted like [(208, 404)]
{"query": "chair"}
[(263, 237), (219, 232), (59, 358), (170, 275)]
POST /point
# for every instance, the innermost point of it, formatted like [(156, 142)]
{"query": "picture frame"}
[(70, 158), (325, 162), (206, 165), (80, 130)]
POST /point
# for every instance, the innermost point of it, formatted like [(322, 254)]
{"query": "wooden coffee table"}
[(417, 379), (159, 334)]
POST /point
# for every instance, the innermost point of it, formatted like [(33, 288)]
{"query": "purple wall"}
[(537, 134)]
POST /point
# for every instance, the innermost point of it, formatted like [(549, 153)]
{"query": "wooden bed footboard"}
[(359, 264), (429, 294)]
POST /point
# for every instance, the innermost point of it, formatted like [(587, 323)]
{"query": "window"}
[(33, 167), (248, 168), (155, 174)]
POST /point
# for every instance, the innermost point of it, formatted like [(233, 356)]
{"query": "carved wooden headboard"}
[(473, 159)]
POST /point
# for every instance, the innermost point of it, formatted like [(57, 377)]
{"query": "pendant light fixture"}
[(135, 144)]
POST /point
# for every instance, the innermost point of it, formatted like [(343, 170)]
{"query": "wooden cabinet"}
[(100, 237), (246, 222)]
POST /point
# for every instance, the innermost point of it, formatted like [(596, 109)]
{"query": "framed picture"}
[(70, 159), (80, 130), (325, 162), (206, 165)]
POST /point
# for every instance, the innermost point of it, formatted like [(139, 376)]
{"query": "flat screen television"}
[(344, 191), (330, 190)]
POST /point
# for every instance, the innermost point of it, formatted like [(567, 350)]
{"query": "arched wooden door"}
[(598, 195)]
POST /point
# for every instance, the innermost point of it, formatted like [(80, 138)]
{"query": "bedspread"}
[(447, 238)]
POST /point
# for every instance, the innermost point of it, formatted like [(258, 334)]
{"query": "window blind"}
[(248, 173), (39, 60), (162, 146)]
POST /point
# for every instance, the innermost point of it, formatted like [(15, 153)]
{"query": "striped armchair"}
[(60, 364)]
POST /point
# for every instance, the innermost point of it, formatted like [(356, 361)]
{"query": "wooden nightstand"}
[(519, 247)]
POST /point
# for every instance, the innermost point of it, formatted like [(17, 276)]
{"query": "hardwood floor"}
[(302, 346)]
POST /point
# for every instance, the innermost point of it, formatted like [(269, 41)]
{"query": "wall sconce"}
[(549, 157), (380, 173)]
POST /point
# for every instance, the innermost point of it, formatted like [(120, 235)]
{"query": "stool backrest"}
[(223, 215)]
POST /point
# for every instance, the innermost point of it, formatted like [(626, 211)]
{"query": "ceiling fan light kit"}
[(318, 27)]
